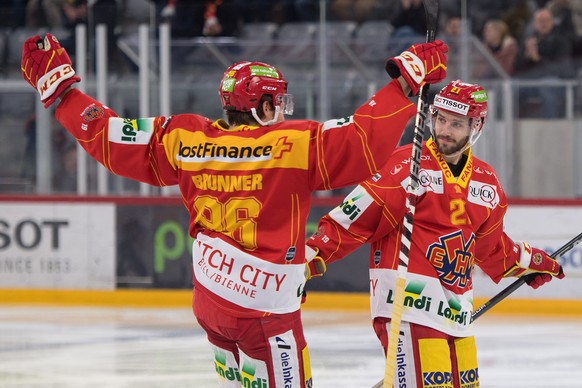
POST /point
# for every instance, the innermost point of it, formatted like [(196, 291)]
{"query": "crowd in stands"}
[(529, 39), (225, 17)]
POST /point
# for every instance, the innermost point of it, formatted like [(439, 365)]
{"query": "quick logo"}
[(483, 194)]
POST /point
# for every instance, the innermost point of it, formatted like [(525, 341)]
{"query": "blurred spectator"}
[(28, 171), (564, 20), (105, 12), (577, 16), (5, 12), (168, 9), (409, 25), (501, 45), (482, 10), (75, 12), (307, 10), (354, 10), (49, 13), (450, 7), (516, 13), (544, 54), (451, 34), (64, 159), (277, 11), (63, 156), (517, 17), (66, 175), (13, 13), (202, 17)]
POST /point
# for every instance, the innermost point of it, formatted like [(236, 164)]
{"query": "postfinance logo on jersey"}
[(278, 149)]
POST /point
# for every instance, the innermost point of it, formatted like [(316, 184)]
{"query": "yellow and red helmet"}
[(244, 83), (463, 99)]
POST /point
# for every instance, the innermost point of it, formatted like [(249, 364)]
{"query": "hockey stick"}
[(431, 8), (524, 279)]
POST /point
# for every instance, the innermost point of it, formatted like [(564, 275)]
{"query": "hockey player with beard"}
[(458, 223), (247, 184)]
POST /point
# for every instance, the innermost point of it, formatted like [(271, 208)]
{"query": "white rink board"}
[(548, 228), (57, 245)]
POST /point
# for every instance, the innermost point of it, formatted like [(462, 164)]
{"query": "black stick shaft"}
[(522, 280)]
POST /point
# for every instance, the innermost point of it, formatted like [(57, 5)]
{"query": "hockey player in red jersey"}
[(247, 184), (458, 223)]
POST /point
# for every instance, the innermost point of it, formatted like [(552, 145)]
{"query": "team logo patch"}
[(452, 257), (92, 112), (290, 255), (537, 258)]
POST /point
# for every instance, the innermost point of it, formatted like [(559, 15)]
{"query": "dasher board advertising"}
[(57, 245)]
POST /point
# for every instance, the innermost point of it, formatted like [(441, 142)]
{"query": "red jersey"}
[(247, 190), (458, 223)]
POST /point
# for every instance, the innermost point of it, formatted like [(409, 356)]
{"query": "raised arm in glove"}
[(421, 63), (46, 66)]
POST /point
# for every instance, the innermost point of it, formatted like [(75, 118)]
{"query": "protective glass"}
[(285, 103)]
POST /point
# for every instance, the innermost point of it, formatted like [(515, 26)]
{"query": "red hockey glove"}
[(46, 66), (315, 266), (421, 63), (536, 264)]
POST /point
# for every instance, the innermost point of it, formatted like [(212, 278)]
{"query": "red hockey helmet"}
[(462, 99), (244, 83)]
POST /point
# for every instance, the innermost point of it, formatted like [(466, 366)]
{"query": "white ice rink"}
[(82, 347)]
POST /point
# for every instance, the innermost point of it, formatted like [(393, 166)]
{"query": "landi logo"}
[(412, 296), (246, 376), (349, 207), (452, 312)]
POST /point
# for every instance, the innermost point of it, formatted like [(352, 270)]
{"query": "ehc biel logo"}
[(452, 258)]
